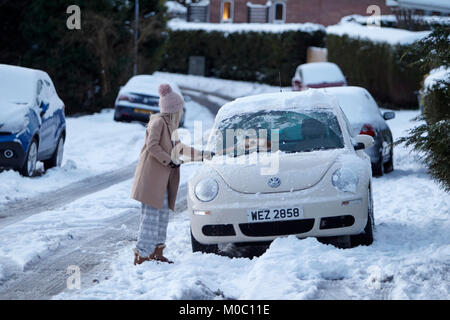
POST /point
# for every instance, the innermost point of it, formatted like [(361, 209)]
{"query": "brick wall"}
[(326, 12)]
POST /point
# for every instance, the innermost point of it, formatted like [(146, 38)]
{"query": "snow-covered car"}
[(317, 75), (32, 120), (284, 164), (365, 117), (139, 99)]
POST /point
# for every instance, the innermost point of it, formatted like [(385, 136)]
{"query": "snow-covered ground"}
[(410, 258), (95, 144)]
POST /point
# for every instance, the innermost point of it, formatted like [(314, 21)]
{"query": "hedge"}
[(247, 56), (378, 67)]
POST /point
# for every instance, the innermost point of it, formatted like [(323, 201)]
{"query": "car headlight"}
[(345, 180), (206, 190)]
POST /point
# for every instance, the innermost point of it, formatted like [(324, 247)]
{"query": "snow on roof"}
[(148, 84), (175, 7), (181, 25), (356, 102), (321, 72), (377, 34), (442, 73), (431, 5), (277, 101), (17, 84)]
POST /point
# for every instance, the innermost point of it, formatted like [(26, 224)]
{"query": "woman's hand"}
[(174, 165), (207, 155)]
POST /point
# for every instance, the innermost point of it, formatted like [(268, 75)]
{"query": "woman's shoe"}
[(158, 254), (138, 259)]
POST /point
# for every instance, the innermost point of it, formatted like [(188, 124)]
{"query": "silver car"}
[(365, 117)]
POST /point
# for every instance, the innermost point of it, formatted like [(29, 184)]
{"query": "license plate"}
[(274, 214), (143, 111)]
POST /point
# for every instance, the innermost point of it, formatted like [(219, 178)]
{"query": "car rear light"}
[(126, 98), (297, 85), (369, 130)]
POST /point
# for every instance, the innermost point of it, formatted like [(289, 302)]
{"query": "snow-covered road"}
[(410, 258)]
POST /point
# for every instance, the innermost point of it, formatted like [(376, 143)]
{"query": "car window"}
[(298, 131)]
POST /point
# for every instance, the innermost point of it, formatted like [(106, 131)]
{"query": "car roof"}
[(148, 84), (309, 99)]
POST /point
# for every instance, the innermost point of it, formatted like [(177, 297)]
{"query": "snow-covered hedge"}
[(247, 52), (371, 57)]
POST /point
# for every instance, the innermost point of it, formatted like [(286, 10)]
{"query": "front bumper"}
[(12, 155), (324, 216)]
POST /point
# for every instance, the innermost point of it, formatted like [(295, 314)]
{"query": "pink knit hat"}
[(169, 101)]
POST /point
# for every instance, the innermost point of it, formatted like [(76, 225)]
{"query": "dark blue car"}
[(32, 120)]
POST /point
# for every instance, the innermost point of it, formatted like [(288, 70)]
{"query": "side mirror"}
[(388, 115), (44, 108), (363, 141)]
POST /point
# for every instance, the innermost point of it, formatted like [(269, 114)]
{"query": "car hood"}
[(13, 116), (295, 171)]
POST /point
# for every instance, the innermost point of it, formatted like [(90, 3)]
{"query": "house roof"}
[(426, 5)]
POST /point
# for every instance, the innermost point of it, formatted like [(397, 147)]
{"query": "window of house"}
[(227, 11), (279, 12)]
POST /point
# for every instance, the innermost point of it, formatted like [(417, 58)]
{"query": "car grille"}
[(218, 230), (336, 222), (281, 228)]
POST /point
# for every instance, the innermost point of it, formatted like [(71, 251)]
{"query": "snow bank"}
[(381, 35), (180, 25), (436, 75)]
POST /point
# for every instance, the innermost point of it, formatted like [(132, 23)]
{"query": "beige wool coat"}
[(153, 175)]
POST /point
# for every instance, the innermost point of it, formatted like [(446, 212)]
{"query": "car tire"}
[(204, 248), (378, 168), (389, 166), (29, 167), (366, 237), (56, 159)]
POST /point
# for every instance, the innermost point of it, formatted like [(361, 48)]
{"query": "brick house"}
[(326, 12)]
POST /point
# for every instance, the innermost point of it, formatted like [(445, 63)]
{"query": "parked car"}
[(32, 120), (139, 99), (317, 75), (320, 188), (366, 118)]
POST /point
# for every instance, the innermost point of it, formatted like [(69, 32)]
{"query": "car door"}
[(45, 133)]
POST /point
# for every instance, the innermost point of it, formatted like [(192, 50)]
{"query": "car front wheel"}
[(366, 237), (204, 248), (29, 167), (57, 157)]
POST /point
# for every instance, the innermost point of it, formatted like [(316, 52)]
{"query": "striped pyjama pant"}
[(153, 227)]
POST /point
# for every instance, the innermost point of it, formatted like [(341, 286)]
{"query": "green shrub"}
[(251, 56), (378, 67), (432, 137)]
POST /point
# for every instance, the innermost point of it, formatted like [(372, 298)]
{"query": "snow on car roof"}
[(321, 72), (311, 98), (17, 84), (356, 102), (148, 84)]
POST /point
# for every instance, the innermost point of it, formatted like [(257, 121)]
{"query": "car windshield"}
[(289, 131), (16, 87)]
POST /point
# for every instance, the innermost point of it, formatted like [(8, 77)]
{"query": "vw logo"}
[(274, 182)]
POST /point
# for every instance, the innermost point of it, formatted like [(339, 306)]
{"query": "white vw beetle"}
[(285, 164)]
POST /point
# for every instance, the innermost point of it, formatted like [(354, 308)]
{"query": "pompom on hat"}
[(169, 101)]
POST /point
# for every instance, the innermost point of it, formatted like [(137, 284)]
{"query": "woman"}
[(157, 176)]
